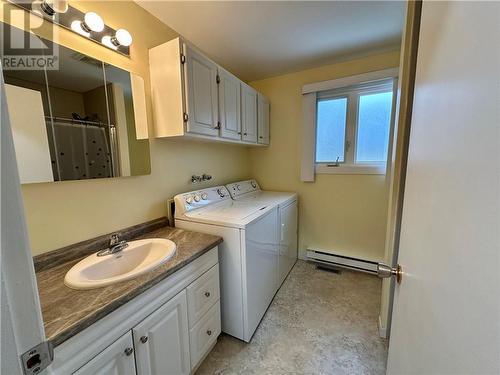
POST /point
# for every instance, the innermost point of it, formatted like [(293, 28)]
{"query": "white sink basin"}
[(138, 258)]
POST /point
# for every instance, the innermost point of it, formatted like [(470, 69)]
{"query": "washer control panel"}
[(242, 187), (200, 198)]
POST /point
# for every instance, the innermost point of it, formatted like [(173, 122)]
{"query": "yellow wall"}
[(345, 213), (62, 213)]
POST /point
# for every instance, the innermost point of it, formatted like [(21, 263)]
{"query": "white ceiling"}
[(258, 39)]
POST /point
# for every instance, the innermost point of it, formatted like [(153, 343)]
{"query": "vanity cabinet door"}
[(263, 119), (249, 113), (201, 91), (162, 340), (229, 105), (117, 359)]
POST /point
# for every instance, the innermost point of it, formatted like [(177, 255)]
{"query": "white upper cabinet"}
[(229, 105), (191, 100), (201, 91), (248, 113), (263, 119)]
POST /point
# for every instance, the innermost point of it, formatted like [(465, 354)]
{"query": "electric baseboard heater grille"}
[(342, 261)]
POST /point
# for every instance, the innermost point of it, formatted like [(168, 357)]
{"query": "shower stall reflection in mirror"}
[(77, 122)]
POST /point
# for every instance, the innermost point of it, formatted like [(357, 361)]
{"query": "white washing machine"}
[(248, 257), (249, 191)]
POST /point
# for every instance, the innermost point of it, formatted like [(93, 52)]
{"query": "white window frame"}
[(353, 93), (310, 94)]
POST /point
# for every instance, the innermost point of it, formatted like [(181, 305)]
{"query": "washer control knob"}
[(204, 196), (197, 198), (254, 185), (189, 199), (238, 187), (221, 193)]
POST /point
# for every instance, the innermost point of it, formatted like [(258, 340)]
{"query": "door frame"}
[(22, 322), (396, 168)]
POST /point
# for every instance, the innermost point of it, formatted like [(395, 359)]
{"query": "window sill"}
[(351, 169)]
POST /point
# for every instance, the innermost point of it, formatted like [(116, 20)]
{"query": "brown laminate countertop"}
[(67, 311)]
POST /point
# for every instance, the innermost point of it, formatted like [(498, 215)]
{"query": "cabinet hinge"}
[(217, 79), (37, 358), (186, 117), (183, 58)]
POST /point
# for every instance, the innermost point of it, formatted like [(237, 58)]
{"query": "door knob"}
[(144, 339), (384, 270), (128, 351)]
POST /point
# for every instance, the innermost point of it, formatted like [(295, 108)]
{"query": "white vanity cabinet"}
[(162, 340), (195, 98), (168, 329), (118, 358)]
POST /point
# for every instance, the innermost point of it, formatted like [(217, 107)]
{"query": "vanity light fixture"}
[(121, 38), (90, 24)]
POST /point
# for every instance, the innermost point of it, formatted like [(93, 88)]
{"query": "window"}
[(352, 128)]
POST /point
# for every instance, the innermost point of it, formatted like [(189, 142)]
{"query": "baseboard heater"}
[(342, 261)]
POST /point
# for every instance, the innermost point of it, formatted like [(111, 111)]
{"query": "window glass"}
[(331, 124), (374, 119)]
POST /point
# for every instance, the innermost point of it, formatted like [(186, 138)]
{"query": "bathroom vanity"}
[(163, 322)]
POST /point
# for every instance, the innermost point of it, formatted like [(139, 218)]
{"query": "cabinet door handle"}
[(128, 351), (207, 294), (209, 332), (244, 133), (144, 339)]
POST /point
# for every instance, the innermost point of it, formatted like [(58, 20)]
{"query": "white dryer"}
[(248, 255), (249, 191)]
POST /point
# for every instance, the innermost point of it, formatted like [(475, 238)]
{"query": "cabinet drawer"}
[(204, 334), (202, 294)]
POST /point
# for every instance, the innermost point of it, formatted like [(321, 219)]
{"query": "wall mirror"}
[(84, 120)]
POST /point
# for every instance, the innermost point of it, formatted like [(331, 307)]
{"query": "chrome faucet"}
[(115, 245)]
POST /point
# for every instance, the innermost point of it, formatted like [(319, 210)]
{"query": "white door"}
[(263, 119), (162, 340), (201, 93), (116, 359), (249, 113), (288, 240), (229, 105), (446, 317)]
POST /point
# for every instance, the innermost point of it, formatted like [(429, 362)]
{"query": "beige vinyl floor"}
[(319, 323)]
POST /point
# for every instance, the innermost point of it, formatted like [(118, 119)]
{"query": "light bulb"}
[(93, 22), (108, 42), (59, 6), (123, 37), (76, 26)]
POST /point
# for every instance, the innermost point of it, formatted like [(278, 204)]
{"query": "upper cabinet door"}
[(249, 113), (263, 119), (229, 105), (162, 340), (201, 93)]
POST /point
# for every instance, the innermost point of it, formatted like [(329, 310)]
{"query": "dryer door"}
[(288, 240), (260, 268)]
